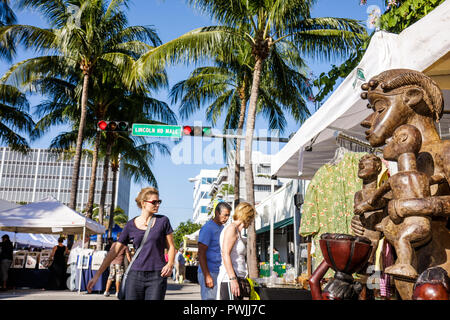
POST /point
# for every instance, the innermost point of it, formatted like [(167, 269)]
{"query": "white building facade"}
[(264, 186), (201, 198), (42, 173)]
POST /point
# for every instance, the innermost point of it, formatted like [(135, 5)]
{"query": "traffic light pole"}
[(235, 136)]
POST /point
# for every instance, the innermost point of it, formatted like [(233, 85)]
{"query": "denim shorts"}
[(145, 285), (205, 292)]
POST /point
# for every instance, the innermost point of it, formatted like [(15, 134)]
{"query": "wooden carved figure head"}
[(397, 97), (406, 139)]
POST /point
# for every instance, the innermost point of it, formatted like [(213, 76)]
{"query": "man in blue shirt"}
[(209, 255)]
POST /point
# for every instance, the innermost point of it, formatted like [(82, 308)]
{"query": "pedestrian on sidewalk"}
[(180, 263), (116, 269), (209, 256), (233, 268), (6, 257), (147, 278), (59, 265)]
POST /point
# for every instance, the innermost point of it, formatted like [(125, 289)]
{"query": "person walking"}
[(233, 245), (109, 243), (147, 277), (116, 269), (59, 265), (6, 257), (180, 263), (209, 256)]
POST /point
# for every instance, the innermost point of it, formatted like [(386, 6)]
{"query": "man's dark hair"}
[(220, 206), (5, 236)]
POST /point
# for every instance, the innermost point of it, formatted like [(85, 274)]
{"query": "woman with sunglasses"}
[(147, 278)]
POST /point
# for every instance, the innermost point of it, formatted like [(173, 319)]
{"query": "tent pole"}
[(81, 269)]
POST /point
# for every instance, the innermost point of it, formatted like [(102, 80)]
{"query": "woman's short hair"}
[(144, 193), (244, 212), (61, 239)]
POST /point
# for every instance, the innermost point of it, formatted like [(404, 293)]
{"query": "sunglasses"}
[(153, 202)]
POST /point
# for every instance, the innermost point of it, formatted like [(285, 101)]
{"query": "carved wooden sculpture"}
[(402, 96), (364, 225), (345, 254), (412, 231)]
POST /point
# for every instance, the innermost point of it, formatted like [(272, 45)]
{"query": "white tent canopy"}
[(47, 216), (424, 46)]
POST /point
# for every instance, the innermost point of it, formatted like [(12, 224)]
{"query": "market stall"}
[(424, 46), (320, 145), (190, 246), (48, 216)]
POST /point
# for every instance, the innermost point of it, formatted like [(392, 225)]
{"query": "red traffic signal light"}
[(188, 131), (197, 131), (111, 126), (102, 125)]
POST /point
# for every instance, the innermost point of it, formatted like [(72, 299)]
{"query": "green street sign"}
[(156, 130)]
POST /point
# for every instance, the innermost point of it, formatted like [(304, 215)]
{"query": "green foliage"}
[(327, 81), (399, 17), (396, 18), (14, 118), (184, 228)]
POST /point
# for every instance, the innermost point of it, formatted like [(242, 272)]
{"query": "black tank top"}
[(59, 255)]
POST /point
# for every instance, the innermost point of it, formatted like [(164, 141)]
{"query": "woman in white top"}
[(233, 248)]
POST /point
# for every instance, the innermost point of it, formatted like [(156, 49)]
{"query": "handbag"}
[(244, 287), (121, 294)]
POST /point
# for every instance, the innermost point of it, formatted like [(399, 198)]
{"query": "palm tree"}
[(86, 34), (227, 86), (14, 118), (7, 17), (266, 25)]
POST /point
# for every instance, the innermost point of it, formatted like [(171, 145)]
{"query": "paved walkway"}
[(186, 291)]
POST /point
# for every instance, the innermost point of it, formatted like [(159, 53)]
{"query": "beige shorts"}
[(116, 272)]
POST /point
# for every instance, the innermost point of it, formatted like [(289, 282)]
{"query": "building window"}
[(204, 195), (263, 170), (262, 188), (208, 180), (204, 209)]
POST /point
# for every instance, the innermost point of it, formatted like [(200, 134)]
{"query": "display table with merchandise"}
[(88, 270), (28, 278), (282, 292), (88, 274)]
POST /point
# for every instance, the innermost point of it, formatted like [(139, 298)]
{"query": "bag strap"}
[(147, 231)]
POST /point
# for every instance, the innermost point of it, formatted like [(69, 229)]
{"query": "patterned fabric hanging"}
[(328, 205)]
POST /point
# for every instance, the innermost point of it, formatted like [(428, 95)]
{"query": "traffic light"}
[(197, 131), (109, 126)]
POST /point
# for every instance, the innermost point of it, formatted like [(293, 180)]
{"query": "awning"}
[(280, 224), (423, 46)]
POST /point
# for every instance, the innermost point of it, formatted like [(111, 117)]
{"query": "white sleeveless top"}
[(238, 257)]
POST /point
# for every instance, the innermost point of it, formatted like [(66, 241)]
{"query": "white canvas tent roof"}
[(47, 216), (36, 240), (424, 46)]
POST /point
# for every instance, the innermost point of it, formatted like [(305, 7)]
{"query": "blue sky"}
[(172, 18)]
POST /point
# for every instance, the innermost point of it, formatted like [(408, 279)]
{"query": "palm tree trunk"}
[(91, 195), (237, 161), (101, 208), (251, 117), (78, 149), (115, 169)]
